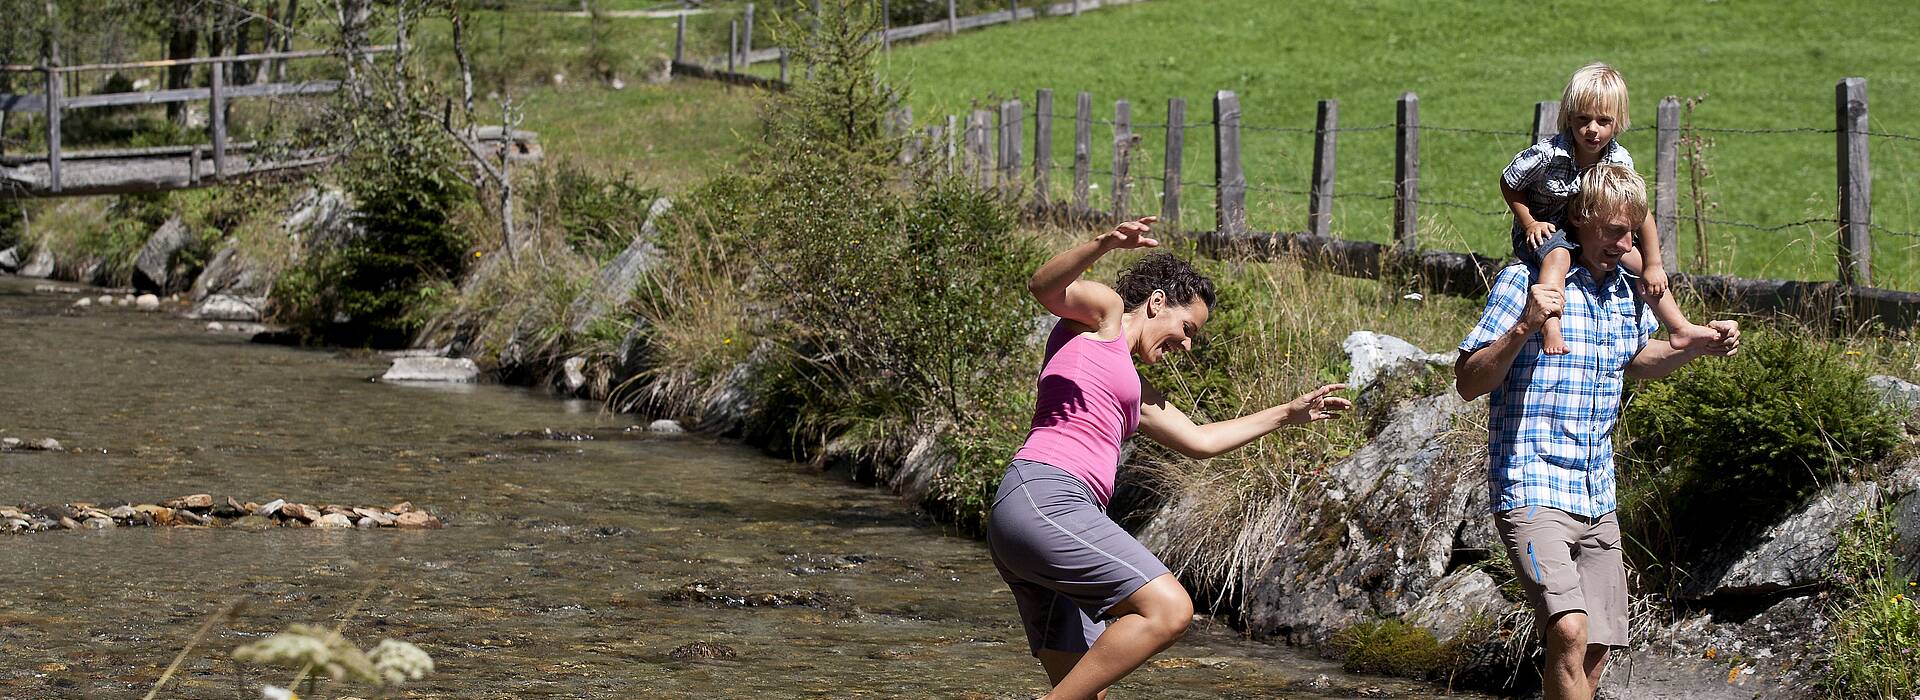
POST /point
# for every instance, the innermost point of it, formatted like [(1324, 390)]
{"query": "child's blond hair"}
[(1594, 89), (1607, 189)]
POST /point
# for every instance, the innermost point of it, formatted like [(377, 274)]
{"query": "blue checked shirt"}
[(1550, 422), (1545, 172)]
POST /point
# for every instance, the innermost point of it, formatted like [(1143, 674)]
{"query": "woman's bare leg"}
[(1151, 619)]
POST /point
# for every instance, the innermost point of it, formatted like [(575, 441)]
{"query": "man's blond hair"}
[(1608, 189), (1594, 89)]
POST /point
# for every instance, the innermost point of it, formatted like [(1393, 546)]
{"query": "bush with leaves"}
[(1723, 445), (597, 214)]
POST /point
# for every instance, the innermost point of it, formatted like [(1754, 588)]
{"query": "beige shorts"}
[(1570, 563)]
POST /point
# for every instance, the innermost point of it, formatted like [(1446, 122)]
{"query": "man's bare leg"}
[(1565, 677)]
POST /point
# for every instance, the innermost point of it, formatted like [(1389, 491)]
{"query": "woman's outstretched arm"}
[(1058, 287), (1168, 425)]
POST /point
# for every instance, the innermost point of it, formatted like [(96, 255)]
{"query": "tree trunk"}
[(183, 37)]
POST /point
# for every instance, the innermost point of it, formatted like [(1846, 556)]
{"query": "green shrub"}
[(597, 215), (1876, 627), (1392, 647), (368, 290), (1728, 443)]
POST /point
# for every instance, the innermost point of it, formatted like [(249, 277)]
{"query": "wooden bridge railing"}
[(54, 103)]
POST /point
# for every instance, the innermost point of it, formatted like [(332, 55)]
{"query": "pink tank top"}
[(1089, 401)]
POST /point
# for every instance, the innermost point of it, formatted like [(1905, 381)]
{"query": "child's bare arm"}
[(1537, 231), (1653, 268)]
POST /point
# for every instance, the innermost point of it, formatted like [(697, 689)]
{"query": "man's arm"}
[(1658, 358), (1478, 372)]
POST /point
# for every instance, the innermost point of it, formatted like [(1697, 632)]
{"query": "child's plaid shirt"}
[(1550, 422)]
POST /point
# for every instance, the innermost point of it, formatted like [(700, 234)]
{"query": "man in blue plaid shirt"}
[(1550, 425)]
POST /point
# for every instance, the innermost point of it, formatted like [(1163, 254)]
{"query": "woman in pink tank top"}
[(1095, 603)]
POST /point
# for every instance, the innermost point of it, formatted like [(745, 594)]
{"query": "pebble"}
[(665, 426), (333, 520), (198, 500), (83, 302), (147, 302)]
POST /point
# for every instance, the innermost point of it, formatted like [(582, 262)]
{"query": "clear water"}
[(555, 577)]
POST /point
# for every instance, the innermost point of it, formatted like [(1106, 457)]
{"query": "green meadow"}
[(1478, 67)]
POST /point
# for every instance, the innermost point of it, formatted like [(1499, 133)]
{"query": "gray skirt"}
[(1066, 562)]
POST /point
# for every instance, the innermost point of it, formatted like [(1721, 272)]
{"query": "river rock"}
[(401, 507), (152, 271), (231, 273), (322, 219), (613, 286), (223, 307), (10, 260), (198, 500), (1793, 553), (161, 515), (69, 523), (40, 266), (702, 650), (97, 523), (270, 508), (377, 518), (16, 524), (123, 513), (188, 517), (300, 511), (1456, 601), (666, 426), (1906, 526), (333, 520), (1371, 354), (252, 522), (147, 302), (1389, 527), (416, 519), (572, 374), (432, 369), (83, 302)]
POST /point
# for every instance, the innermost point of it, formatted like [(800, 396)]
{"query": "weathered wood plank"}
[(1855, 182), (1082, 149), (1122, 157), (1176, 145), (1546, 120), (1230, 183), (1042, 144), (1406, 173), (1666, 173)]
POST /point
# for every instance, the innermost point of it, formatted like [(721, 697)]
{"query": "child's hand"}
[(1538, 232), (1655, 282)]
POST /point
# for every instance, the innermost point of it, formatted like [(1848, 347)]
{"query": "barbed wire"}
[(1789, 130), (1896, 137), (1470, 130)]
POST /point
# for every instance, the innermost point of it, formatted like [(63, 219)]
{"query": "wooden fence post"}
[(218, 110), (1122, 156), (1042, 144), (1176, 143), (1856, 182), (1326, 143), (680, 40), (193, 166), (746, 38), (1011, 132), (733, 43), (1406, 174), (982, 148), (1014, 5), (1546, 119), (1230, 184), (903, 126), (1666, 173), (783, 65), (55, 96), (999, 126), (953, 156), (953, 19), (886, 25), (1082, 150), (1076, 8)]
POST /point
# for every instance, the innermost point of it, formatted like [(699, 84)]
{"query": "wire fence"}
[(1278, 153)]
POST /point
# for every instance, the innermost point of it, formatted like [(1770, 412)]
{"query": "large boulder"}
[(40, 266), (153, 270), (1906, 519), (1456, 601), (322, 219), (231, 273), (1390, 524), (222, 307), (1794, 553), (1898, 394), (10, 260), (431, 369), (1373, 354), (614, 284)]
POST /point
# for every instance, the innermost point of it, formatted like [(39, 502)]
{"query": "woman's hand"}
[(1318, 405), (1131, 234)]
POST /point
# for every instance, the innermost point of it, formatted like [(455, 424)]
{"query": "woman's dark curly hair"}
[(1166, 273)]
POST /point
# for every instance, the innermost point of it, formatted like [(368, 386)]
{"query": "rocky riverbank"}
[(203, 511)]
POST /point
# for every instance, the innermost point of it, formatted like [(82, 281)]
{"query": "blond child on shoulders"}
[(1542, 180)]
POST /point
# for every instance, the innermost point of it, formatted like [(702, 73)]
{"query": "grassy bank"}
[(1476, 66)]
